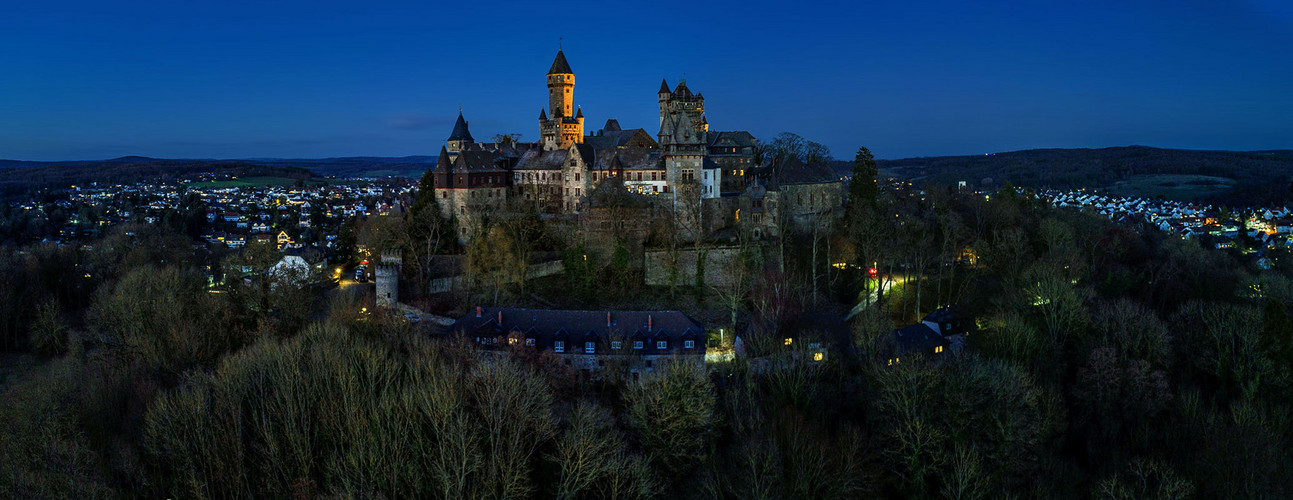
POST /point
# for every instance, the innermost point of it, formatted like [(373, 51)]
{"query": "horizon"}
[(250, 81), (834, 158)]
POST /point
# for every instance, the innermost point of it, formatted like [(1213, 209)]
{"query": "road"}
[(871, 298)]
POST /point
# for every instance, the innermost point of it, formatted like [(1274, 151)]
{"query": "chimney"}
[(608, 319), (478, 311), (500, 317), (648, 322)]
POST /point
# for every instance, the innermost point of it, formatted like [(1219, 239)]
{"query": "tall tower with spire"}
[(460, 138), (563, 124)]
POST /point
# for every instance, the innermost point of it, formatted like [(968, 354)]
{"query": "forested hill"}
[(1231, 177)]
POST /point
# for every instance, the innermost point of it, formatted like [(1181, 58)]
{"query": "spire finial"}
[(559, 39)]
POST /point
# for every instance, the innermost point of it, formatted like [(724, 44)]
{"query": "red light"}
[(872, 271), (364, 263)]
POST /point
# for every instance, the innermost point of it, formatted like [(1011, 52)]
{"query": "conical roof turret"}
[(460, 132), (559, 65)]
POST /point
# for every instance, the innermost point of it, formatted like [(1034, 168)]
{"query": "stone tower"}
[(460, 138), (682, 133), (563, 124), (388, 278)]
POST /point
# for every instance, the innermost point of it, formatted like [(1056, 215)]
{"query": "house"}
[(589, 340), (913, 339), (943, 331), (284, 239)]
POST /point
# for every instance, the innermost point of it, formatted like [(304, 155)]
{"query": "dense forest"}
[(1109, 361)]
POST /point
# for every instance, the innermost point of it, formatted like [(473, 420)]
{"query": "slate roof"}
[(478, 161), (607, 139), (794, 171), (664, 87), (914, 338), (547, 326), (559, 65), (627, 159), (460, 132), (682, 92)]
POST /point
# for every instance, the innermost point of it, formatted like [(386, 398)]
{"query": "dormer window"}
[(559, 346), (662, 344), (637, 344), (689, 344), (590, 347), (615, 345), (529, 342)]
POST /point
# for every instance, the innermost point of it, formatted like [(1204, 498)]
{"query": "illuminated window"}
[(789, 340), (817, 356), (590, 347), (529, 342), (938, 349), (559, 346), (512, 340)]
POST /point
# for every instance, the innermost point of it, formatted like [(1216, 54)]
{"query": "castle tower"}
[(388, 278), (563, 125), (682, 134), (460, 138)]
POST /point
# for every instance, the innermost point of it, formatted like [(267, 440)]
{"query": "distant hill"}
[(22, 176), (17, 176), (1229, 177)]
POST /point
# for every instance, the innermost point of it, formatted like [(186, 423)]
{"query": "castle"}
[(705, 177)]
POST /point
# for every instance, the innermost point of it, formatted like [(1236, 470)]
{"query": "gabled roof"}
[(460, 132), (682, 91), (476, 161), (578, 327), (559, 65)]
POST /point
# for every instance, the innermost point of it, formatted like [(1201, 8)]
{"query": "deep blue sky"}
[(272, 78)]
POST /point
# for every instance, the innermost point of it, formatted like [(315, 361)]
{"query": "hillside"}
[(21, 176), (1232, 177)]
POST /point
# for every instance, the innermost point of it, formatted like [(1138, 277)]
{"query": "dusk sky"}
[(231, 79)]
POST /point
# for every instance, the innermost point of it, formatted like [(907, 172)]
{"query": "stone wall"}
[(659, 263)]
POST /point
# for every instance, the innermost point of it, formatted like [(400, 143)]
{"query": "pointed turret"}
[(543, 115), (460, 132), (664, 87), (579, 113), (442, 164), (560, 66)]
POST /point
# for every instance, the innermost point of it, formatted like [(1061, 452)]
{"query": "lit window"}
[(512, 340), (615, 344), (637, 344), (938, 349), (817, 356), (529, 342), (688, 344), (789, 341), (559, 346), (662, 344), (589, 347)]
